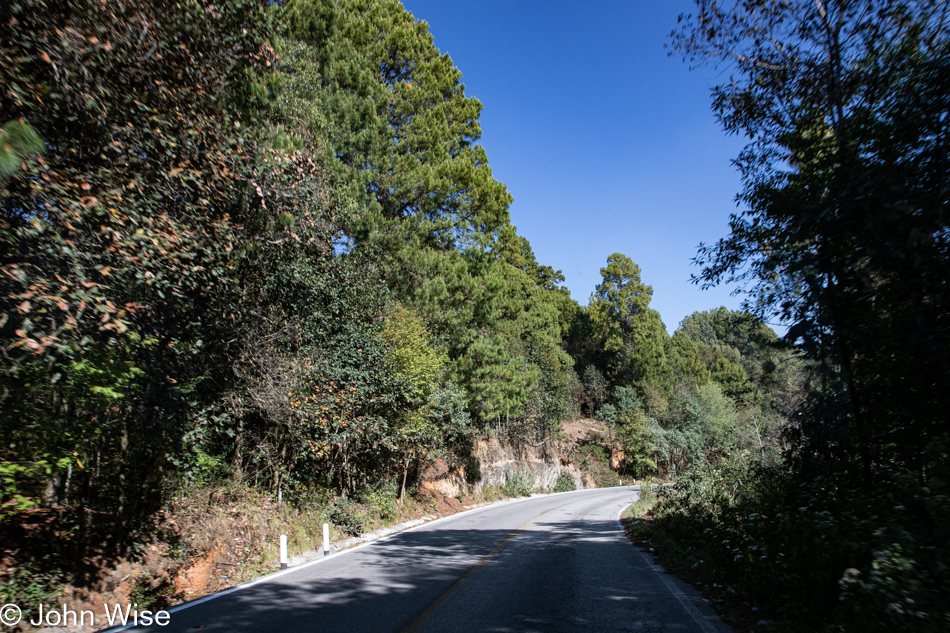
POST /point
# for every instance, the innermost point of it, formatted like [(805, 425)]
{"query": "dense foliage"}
[(718, 392), (255, 242), (125, 238), (845, 238)]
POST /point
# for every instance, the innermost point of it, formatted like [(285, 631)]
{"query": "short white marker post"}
[(283, 551), (326, 539)]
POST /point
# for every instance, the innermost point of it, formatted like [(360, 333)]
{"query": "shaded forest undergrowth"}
[(772, 553)]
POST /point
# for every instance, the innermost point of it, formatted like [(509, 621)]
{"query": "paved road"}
[(552, 563)]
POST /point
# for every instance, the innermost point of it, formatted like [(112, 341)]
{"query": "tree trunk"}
[(405, 474), (123, 451), (850, 387)]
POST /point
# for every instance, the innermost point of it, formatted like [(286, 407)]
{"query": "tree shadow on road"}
[(386, 586)]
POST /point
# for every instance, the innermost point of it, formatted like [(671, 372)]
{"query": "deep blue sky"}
[(606, 143)]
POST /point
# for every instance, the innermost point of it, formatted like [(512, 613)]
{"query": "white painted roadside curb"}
[(391, 531), (687, 603)]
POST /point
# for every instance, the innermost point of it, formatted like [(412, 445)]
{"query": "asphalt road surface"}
[(551, 563)]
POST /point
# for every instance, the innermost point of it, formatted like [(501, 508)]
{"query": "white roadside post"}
[(326, 539), (283, 551)]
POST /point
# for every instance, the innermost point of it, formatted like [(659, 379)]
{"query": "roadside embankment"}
[(209, 539)]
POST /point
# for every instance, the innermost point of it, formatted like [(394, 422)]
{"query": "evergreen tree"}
[(629, 330)]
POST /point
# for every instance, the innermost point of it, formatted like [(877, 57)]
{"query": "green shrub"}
[(519, 483), (150, 594), (607, 413), (813, 555), (381, 501), (565, 482), (493, 493), (346, 515), (644, 503)]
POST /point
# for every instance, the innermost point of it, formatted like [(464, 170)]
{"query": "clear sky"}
[(606, 143)]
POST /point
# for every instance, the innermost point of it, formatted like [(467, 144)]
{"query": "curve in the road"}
[(548, 563)]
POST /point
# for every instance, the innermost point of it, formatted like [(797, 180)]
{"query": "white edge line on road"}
[(278, 574), (688, 606)]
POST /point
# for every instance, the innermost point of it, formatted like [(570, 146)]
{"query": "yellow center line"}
[(438, 602)]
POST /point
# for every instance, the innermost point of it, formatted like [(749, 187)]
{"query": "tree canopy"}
[(845, 232), (843, 237)]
